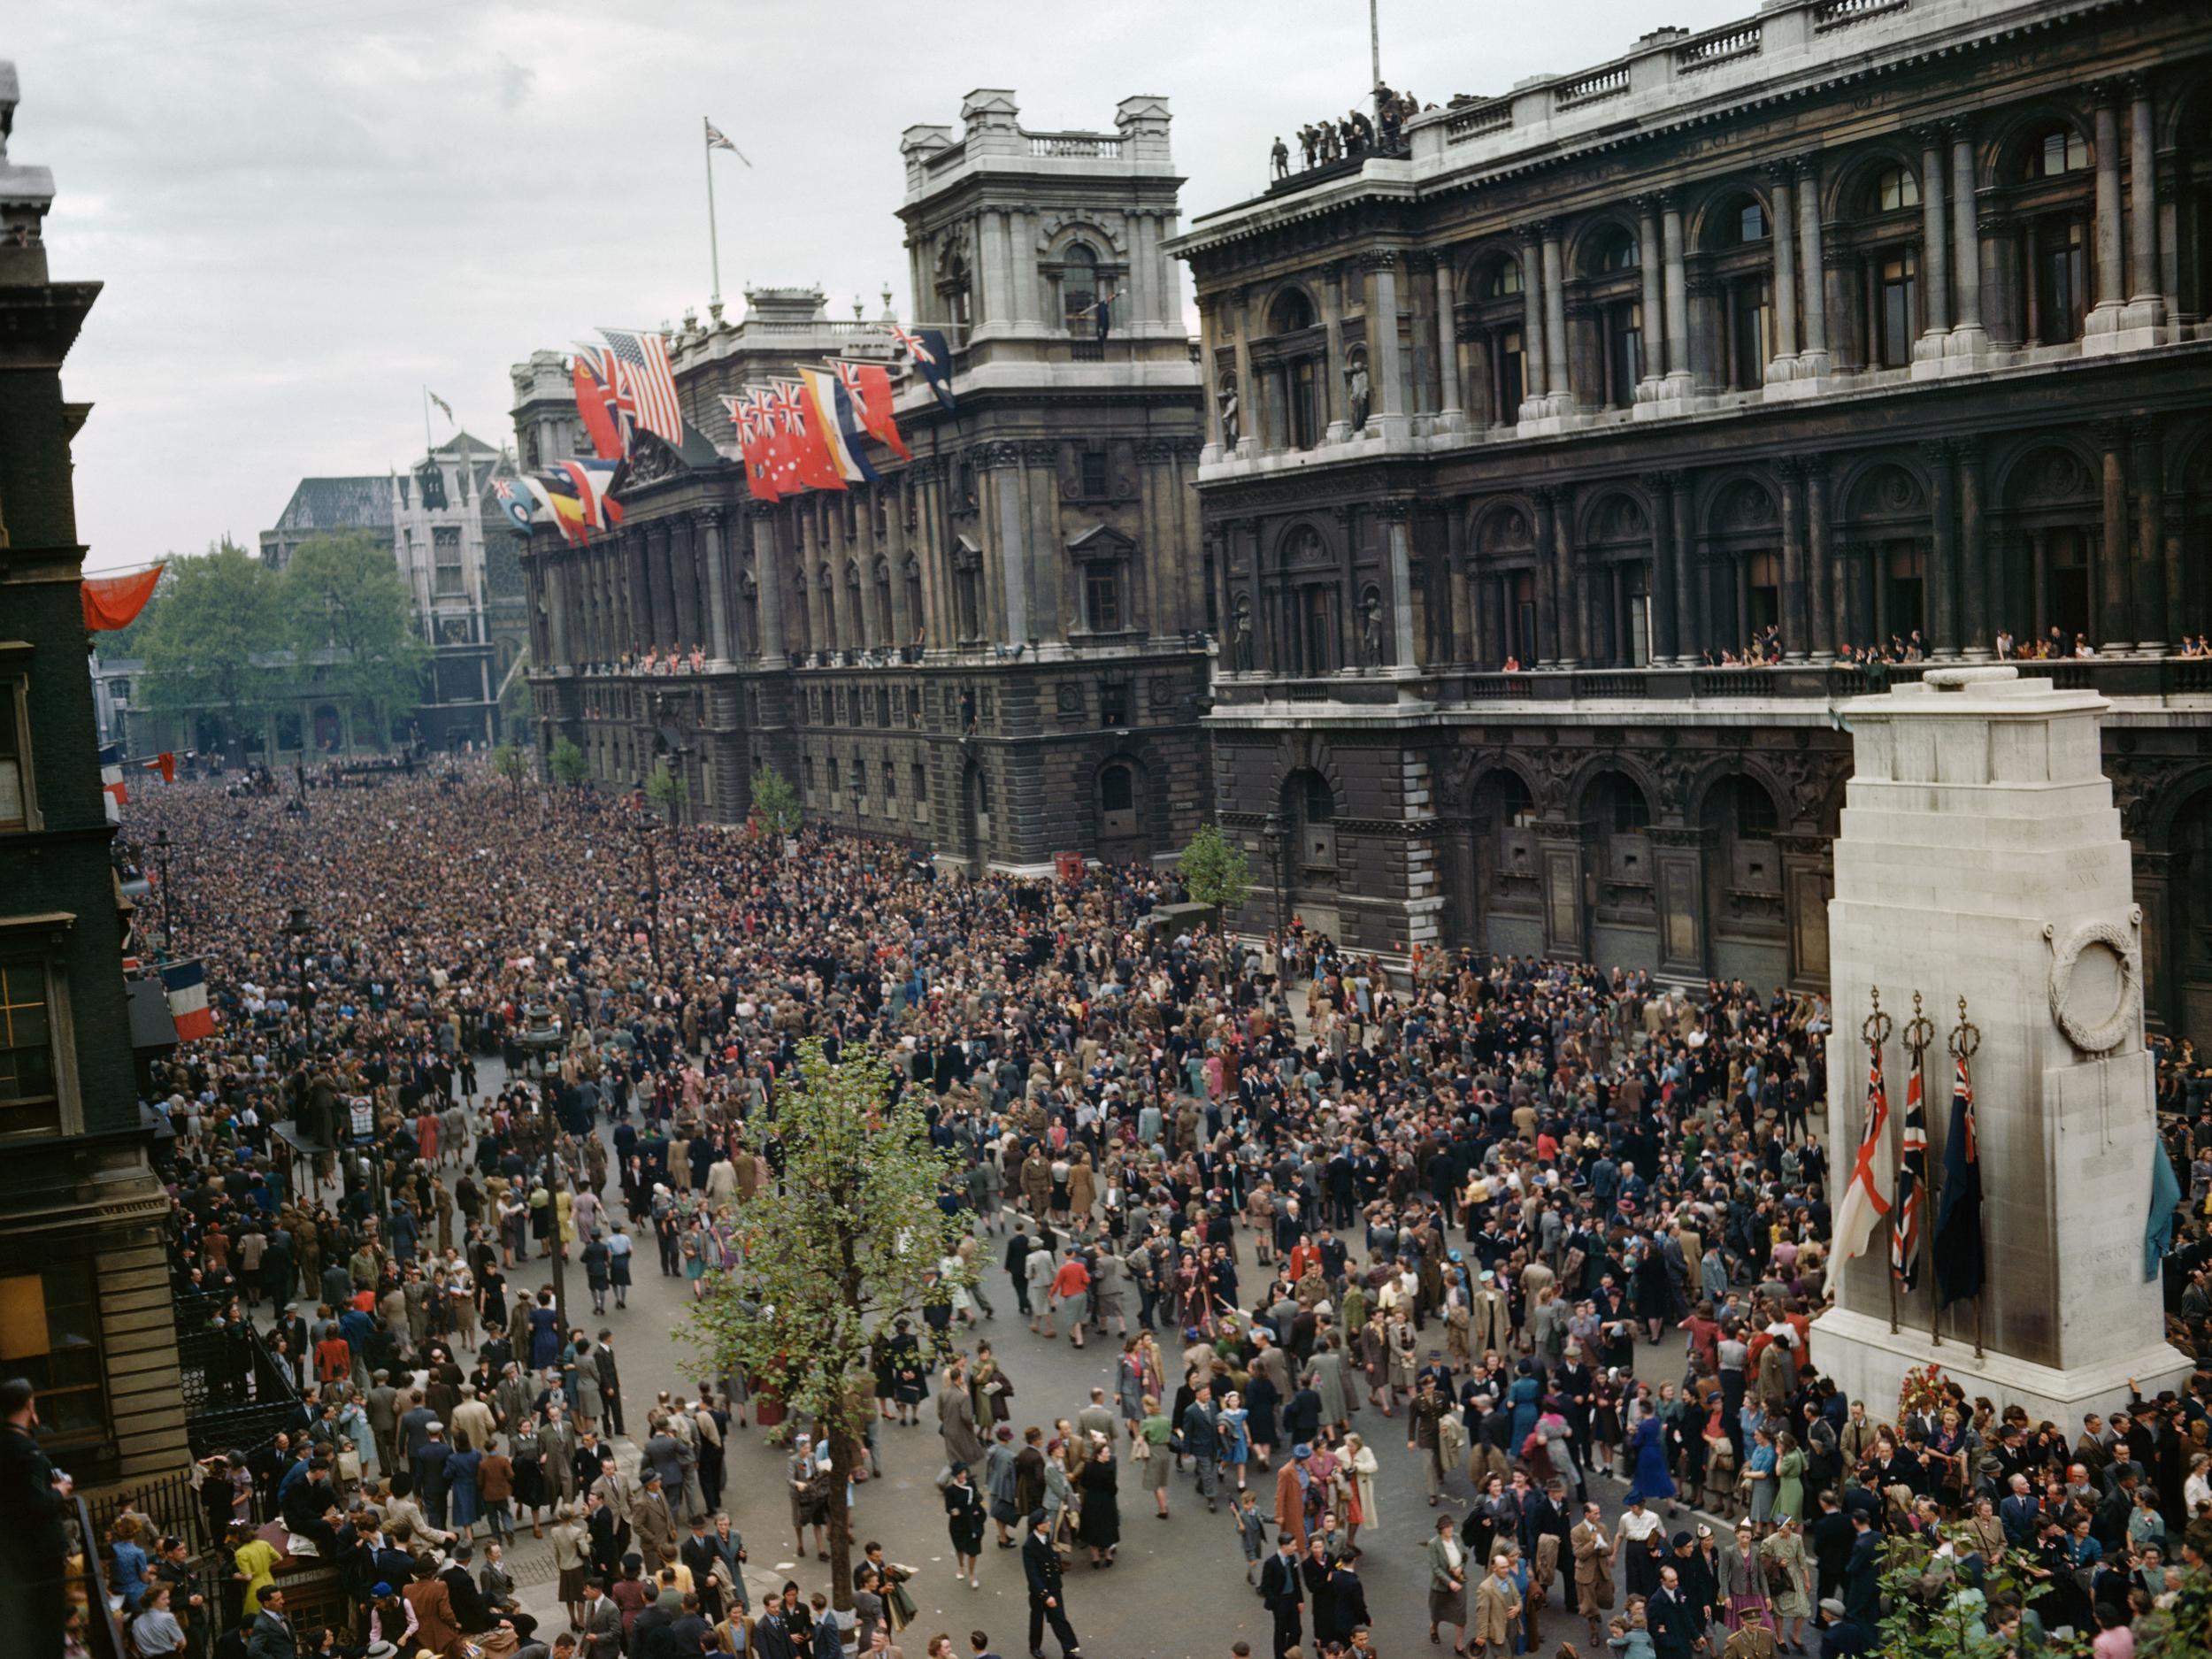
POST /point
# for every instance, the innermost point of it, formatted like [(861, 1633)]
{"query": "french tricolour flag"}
[(111, 781), (186, 985)]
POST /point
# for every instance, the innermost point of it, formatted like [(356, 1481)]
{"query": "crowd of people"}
[(1566, 1227)]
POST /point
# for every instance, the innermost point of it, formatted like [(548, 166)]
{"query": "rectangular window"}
[(14, 773), (1101, 598), (917, 775), (49, 1335), (1751, 308), (1305, 398), (890, 781), (1896, 312), (1095, 473), (30, 1096), (446, 546), (1113, 703), (1510, 382), (1625, 324)]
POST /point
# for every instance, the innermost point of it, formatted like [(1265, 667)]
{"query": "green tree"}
[(1935, 1614), (1215, 870), (668, 790), (507, 761), (569, 767), (775, 802), (210, 645), (347, 611), (848, 1242)]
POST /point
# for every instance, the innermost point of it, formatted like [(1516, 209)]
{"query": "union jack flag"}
[(648, 380), (916, 348), (1912, 1183), (782, 400)]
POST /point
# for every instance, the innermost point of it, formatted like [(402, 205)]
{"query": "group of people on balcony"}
[(1765, 651), (676, 659), (1325, 141)]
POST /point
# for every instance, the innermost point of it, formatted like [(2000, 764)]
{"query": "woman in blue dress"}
[(1236, 1437), (545, 1332), (460, 1485), (1648, 1479), (1525, 1396)]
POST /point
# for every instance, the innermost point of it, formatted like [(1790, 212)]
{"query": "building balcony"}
[(1668, 692)]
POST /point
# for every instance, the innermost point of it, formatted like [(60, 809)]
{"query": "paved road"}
[(1179, 1585)]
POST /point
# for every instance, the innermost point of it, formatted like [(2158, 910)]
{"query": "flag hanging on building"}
[(752, 446), (832, 413), (644, 373), (186, 985), (111, 784), (812, 465), (718, 139), (557, 490), (932, 359), (1912, 1183), (165, 763), (114, 601), (1863, 1207), (598, 407), (2158, 1235), (869, 384), (1955, 1249), (518, 501), (595, 483)]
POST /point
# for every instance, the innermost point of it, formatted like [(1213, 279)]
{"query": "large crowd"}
[(1564, 1227)]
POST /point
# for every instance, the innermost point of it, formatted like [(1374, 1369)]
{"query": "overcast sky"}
[(304, 212)]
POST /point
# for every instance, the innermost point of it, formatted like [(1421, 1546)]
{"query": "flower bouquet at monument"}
[(1921, 1393)]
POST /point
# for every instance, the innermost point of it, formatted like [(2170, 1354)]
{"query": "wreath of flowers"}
[(1922, 1391)]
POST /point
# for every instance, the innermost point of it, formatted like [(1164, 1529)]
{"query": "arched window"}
[(1892, 189), (1616, 805), (1749, 224), (1501, 281), (1616, 252), (2052, 152), (1755, 811), (1319, 799), (1079, 288), (1117, 789), (1616, 302), (1494, 284), (1291, 312)]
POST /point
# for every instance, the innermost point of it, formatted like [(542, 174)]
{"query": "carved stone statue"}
[(1357, 393), (1229, 415), (1370, 649), (1242, 646)]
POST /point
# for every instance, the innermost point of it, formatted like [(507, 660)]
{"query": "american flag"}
[(641, 367), (1912, 1182)]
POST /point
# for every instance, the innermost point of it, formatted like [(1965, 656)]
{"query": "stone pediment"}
[(1101, 541)]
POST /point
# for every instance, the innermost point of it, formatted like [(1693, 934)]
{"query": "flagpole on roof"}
[(427, 441), (714, 237)]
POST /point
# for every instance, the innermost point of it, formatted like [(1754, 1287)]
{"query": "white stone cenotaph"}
[(1981, 857)]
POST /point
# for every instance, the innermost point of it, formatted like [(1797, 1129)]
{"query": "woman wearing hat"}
[(1788, 1578), (1742, 1579), (1448, 1585), (963, 1519)]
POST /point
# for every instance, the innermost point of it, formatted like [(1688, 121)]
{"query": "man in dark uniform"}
[(1040, 1566), (1280, 1587)]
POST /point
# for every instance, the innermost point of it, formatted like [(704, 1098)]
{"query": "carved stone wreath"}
[(2093, 1030)]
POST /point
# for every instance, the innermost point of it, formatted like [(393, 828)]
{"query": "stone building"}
[(85, 1301), (1854, 319), (997, 650), (455, 551)]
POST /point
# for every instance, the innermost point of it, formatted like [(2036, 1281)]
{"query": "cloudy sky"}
[(304, 212)]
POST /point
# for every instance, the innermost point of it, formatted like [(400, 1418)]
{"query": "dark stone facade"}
[(1850, 321)]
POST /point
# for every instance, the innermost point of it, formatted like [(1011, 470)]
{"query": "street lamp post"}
[(299, 927), (163, 847), (646, 823), (1271, 832)]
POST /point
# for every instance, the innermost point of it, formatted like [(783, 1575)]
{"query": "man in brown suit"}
[(437, 1627), (653, 1524), (1592, 1547), (1497, 1604)]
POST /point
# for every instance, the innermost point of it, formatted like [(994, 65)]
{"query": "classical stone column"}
[(1651, 265), (1664, 637), (1812, 358), (1677, 288), (769, 573), (1943, 561), (1385, 361), (2146, 306), (1340, 427), (1935, 252), (2155, 604), (1821, 562), (1210, 364), (1794, 626), (1975, 588), (1569, 617), (1546, 598), (1398, 542), (1247, 395), (2113, 554), (1535, 382), (708, 540), (1781, 191), (1687, 645), (1561, 390), (1968, 337), (1451, 415), (2110, 282)]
